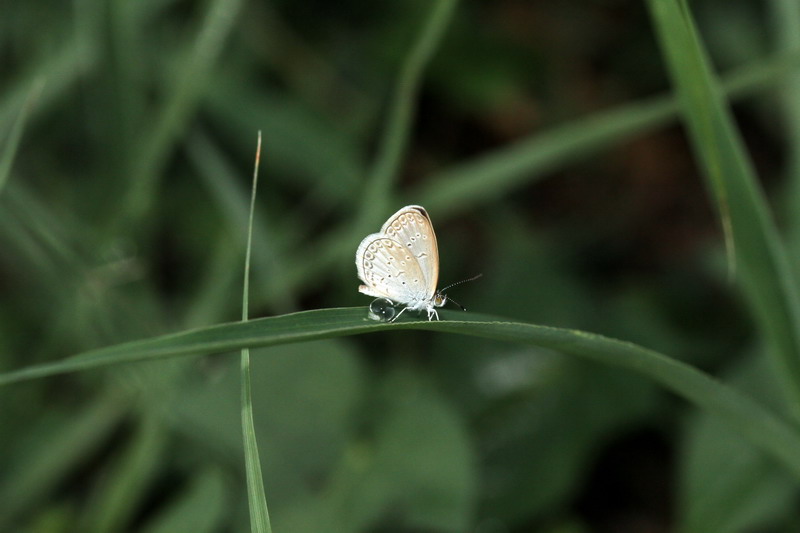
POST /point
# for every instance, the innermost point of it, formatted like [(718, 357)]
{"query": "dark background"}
[(124, 218)]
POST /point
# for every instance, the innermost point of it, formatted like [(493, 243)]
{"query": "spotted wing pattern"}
[(411, 226), (390, 270)]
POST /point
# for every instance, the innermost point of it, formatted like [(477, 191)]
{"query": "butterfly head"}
[(439, 299)]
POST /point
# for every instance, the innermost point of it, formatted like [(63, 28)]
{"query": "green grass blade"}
[(15, 135), (74, 441), (398, 125), (501, 171), (759, 254), (754, 422), (257, 499), (62, 71), (182, 96), (199, 508), (786, 22), (127, 483), (256, 496), (219, 176), (498, 172)]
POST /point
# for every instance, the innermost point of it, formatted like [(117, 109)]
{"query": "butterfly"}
[(400, 263)]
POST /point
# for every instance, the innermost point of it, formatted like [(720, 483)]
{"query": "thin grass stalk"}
[(256, 497)]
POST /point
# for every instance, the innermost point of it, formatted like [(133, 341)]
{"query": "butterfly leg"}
[(398, 314), (432, 313)]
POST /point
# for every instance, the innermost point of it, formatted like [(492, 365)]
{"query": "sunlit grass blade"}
[(257, 500), (759, 254), (398, 124), (752, 421)]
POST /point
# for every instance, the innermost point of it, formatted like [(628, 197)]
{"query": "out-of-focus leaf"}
[(199, 508), (125, 486), (727, 485), (548, 417), (304, 398), (54, 447), (422, 472)]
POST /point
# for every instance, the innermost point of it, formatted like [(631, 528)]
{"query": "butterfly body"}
[(401, 262)]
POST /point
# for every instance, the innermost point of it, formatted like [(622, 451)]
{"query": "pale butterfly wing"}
[(411, 226), (389, 270)]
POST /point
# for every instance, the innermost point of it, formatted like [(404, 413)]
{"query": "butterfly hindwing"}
[(389, 270)]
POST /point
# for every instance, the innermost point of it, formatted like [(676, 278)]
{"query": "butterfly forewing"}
[(411, 226), (389, 269)]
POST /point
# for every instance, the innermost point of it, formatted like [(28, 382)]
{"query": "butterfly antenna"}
[(473, 278), (458, 304)]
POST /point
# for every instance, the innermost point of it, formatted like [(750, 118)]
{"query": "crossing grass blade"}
[(753, 238), (500, 171), (762, 427)]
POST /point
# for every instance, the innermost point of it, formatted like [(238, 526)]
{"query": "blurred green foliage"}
[(542, 140)]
